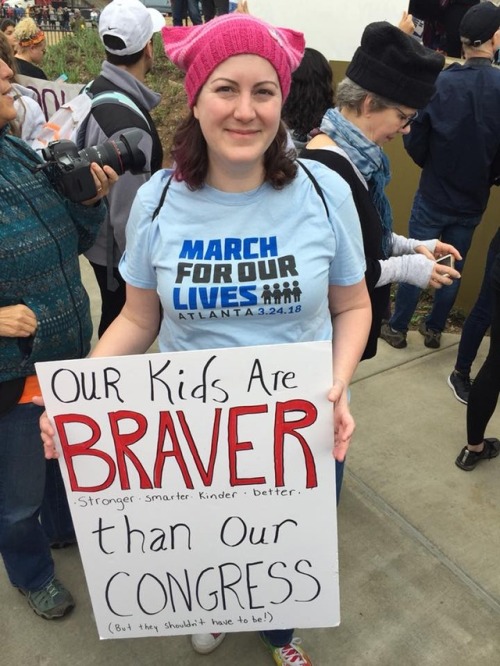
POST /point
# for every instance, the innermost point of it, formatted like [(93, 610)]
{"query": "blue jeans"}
[(479, 318), (180, 8), (23, 543), (55, 515), (427, 223)]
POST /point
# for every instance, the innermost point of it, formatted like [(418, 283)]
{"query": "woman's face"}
[(239, 110), (9, 33), (7, 110), (382, 126), (37, 51)]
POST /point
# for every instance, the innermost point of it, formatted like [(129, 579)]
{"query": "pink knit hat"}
[(199, 49)]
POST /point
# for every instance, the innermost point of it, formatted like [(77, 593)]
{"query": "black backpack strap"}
[(162, 198), (315, 185)]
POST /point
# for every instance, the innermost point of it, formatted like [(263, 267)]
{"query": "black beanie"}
[(394, 65)]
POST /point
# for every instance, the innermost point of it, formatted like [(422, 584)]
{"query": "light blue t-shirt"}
[(243, 269)]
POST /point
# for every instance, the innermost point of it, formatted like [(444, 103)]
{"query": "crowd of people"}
[(266, 129)]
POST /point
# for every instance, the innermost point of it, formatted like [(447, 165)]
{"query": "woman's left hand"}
[(104, 177), (342, 418)]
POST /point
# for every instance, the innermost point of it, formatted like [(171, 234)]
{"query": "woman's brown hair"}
[(190, 153)]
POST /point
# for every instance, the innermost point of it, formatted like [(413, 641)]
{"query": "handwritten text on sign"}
[(202, 487)]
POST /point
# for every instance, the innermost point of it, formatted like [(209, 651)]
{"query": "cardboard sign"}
[(50, 95), (202, 487)]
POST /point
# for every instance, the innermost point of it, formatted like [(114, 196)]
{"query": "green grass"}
[(80, 56)]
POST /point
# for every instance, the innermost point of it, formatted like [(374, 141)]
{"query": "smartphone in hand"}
[(447, 260)]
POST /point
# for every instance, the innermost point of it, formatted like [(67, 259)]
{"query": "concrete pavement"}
[(419, 544)]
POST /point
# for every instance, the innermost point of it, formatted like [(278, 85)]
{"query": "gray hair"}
[(352, 96)]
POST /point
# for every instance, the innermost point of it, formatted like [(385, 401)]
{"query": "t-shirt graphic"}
[(220, 274)]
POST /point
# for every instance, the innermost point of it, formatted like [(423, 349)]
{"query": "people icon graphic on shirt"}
[(296, 291), (276, 294), (266, 295), (287, 293)]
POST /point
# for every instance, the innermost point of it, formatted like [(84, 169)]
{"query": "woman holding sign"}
[(242, 246)]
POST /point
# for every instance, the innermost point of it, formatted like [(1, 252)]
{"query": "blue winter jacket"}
[(456, 138)]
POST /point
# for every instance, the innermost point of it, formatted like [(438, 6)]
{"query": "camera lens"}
[(122, 155)]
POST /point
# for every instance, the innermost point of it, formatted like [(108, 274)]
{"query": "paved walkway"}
[(419, 545)]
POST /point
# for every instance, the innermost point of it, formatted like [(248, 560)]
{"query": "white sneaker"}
[(206, 643)]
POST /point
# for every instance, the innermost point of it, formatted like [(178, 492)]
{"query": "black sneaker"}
[(396, 339), (460, 385), (467, 460), (432, 339)]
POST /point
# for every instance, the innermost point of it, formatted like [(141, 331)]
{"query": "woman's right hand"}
[(46, 431), (17, 321)]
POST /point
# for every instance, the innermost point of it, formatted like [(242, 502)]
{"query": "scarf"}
[(371, 160)]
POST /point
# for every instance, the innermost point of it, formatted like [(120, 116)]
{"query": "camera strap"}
[(162, 198)]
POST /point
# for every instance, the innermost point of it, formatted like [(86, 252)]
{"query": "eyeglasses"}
[(405, 118)]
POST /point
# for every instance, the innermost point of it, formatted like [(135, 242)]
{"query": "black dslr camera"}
[(70, 168)]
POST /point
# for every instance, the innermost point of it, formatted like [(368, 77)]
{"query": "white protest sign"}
[(202, 487), (50, 95), (333, 28)]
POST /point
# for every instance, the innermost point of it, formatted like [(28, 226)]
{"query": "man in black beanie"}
[(456, 141)]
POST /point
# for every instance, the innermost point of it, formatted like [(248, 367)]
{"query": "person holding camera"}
[(126, 29), (44, 315)]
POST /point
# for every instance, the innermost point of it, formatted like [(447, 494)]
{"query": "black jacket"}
[(371, 229)]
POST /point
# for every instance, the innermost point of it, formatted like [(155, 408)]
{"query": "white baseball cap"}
[(132, 22)]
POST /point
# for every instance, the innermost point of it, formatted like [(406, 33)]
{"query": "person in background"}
[(212, 8), (7, 26), (391, 75), (182, 8), (126, 29), (484, 392), (30, 48), (311, 95), (474, 329), (456, 142), (44, 315), (77, 22), (234, 179), (65, 18), (441, 20), (453, 13), (30, 118)]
